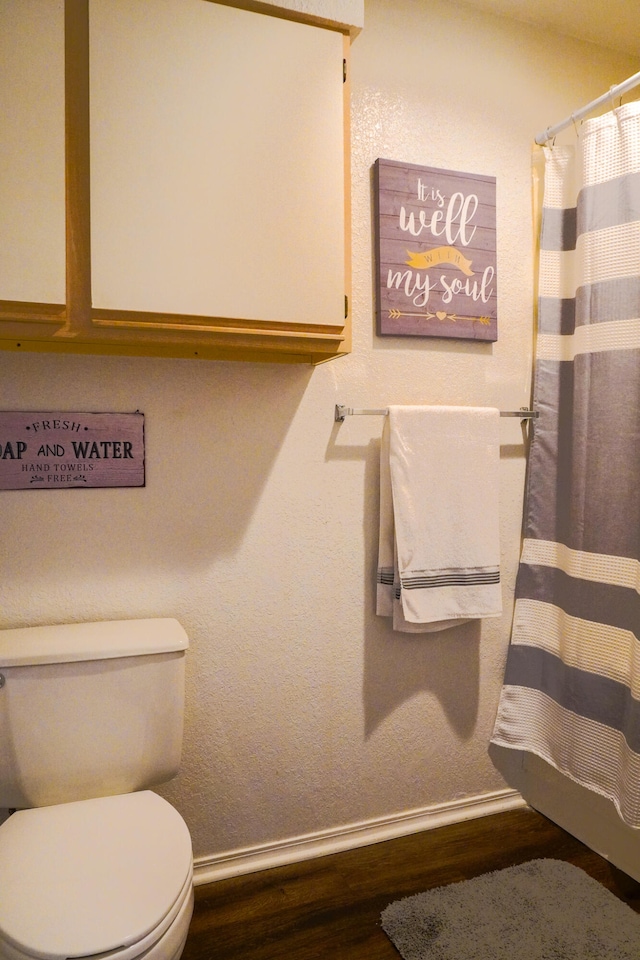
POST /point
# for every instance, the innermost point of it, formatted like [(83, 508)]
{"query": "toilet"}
[(92, 861)]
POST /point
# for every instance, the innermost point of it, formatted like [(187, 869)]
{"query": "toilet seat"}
[(103, 876), (164, 943)]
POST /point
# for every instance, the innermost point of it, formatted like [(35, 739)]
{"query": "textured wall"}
[(257, 527)]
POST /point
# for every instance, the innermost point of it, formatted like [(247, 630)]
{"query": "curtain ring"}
[(611, 97), (575, 126)]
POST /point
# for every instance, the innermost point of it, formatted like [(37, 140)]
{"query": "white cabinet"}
[(217, 180), (32, 207), (207, 185)]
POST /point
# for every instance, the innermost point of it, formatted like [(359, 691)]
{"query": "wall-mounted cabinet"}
[(207, 182), (32, 155)]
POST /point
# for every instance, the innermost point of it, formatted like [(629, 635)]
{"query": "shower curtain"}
[(571, 690)]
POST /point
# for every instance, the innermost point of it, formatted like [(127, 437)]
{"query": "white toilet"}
[(92, 862)]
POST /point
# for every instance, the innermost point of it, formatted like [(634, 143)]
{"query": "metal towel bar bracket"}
[(342, 412)]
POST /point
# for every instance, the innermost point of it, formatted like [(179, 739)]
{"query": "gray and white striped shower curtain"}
[(571, 690)]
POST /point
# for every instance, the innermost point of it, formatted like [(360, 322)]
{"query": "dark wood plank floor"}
[(329, 908)]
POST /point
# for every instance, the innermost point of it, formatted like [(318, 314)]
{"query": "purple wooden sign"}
[(436, 252), (52, 451)]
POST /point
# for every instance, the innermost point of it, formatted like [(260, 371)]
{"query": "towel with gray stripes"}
[(439, 543)]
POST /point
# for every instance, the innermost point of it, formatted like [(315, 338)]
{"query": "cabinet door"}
[(32, 165), (217, 163)]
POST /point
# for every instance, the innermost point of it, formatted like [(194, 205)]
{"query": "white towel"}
[(386, 540), (388, 603), (439, 517)]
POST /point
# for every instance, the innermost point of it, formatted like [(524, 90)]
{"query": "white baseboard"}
[(252, 859)]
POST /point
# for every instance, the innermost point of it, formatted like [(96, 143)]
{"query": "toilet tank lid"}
[(99, 640)]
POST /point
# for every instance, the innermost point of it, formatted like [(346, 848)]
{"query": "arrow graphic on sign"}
[(440, 315)]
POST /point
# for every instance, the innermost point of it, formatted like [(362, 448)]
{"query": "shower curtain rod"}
[(341, 412), (615, 91)]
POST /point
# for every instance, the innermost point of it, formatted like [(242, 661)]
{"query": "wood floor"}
[(329, 908)]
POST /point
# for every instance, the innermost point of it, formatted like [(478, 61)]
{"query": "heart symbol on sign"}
[(441, 315)]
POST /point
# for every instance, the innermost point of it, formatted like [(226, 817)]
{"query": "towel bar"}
[(342, 412)]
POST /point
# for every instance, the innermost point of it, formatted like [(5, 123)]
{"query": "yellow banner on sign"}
[(433, 258)]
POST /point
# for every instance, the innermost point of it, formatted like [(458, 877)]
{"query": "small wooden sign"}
[(436, 252), (54, 451)]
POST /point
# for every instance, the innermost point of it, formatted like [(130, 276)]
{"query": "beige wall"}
[(257, 527)]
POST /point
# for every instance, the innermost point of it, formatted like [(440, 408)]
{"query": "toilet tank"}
[(89, 709)]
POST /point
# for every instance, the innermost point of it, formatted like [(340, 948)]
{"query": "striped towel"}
[(439, 549)]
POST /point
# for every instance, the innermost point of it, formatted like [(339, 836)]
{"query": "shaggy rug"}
[(540, 910)]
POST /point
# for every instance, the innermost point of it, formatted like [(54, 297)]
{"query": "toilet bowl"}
[(109, 876)]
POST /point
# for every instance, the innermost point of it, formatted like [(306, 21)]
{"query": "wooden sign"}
[(436, 252), (55, 451)]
